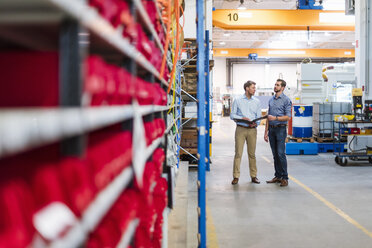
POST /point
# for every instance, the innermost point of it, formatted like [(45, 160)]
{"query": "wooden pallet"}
[(193, 151), (299, 140), (324, 139)]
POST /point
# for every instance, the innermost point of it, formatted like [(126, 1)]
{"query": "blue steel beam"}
[(200, 63), (207, 101), (178, 138)]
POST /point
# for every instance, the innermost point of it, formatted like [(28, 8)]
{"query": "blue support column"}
[(207, 101), (178, 117), (202, 235)]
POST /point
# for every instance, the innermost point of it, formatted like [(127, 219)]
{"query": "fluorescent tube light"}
[(286, 52)]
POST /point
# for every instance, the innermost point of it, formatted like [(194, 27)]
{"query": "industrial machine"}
[(357, 94), (310, 83), (368, 110), (226, 99), (339, 80), (358, 131)]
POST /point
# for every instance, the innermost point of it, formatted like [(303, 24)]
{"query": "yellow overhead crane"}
[(288, 53), (256, 19), (310, 20)]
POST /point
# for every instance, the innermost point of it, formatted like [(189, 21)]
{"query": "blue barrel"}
[(302, 126)]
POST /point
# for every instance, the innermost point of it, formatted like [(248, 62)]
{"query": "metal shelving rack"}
[(191, 96), (42, 126), (23, 129)]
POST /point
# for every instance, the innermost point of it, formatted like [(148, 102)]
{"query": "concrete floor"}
[(325, 205)]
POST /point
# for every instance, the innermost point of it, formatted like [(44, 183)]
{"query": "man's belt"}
[(244, 126), (279, 125)]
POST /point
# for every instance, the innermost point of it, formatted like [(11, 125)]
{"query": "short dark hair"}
[(283, 83), (248, 84)]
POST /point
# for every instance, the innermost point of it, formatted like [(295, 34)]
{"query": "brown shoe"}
[(274, 180), (255, 180), (284, 183), (235, 181)]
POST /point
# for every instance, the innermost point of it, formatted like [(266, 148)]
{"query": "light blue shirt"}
[(244, 107), (280, 106)]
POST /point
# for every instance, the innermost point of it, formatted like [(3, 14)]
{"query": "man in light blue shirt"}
[(246, 108)]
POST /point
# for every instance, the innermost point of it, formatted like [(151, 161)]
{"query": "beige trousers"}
[(243, 135)]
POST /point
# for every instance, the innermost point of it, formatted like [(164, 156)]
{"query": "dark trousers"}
[(277, 136)]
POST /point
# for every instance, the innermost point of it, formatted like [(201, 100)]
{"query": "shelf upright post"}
[(72, 51), (202, 237), (168, 169), (130, 64), (207, 102), (178, 137)]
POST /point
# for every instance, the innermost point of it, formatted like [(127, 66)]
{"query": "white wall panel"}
[(219, 74), (190, 16), (288, 71), (244, 72), (264, 75)]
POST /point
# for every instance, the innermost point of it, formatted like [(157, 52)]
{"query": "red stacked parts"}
[(108, 154), (115, 223), (150, 132), (106, 84), (158, 157), (160, 127), (160, 202), (160, 96), (144, 92), (29, 79), (77, 181), (16, 209)]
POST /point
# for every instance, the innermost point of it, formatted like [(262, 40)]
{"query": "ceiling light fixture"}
[(226, 34), (285, 52), (336, 18), (241, 5), (282, 44), (222, 43), (318, 3), (333, 5)]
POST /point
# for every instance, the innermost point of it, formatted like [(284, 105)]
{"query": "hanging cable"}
[(177, 10), (175, 61), (163, 62), (358, 150)]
